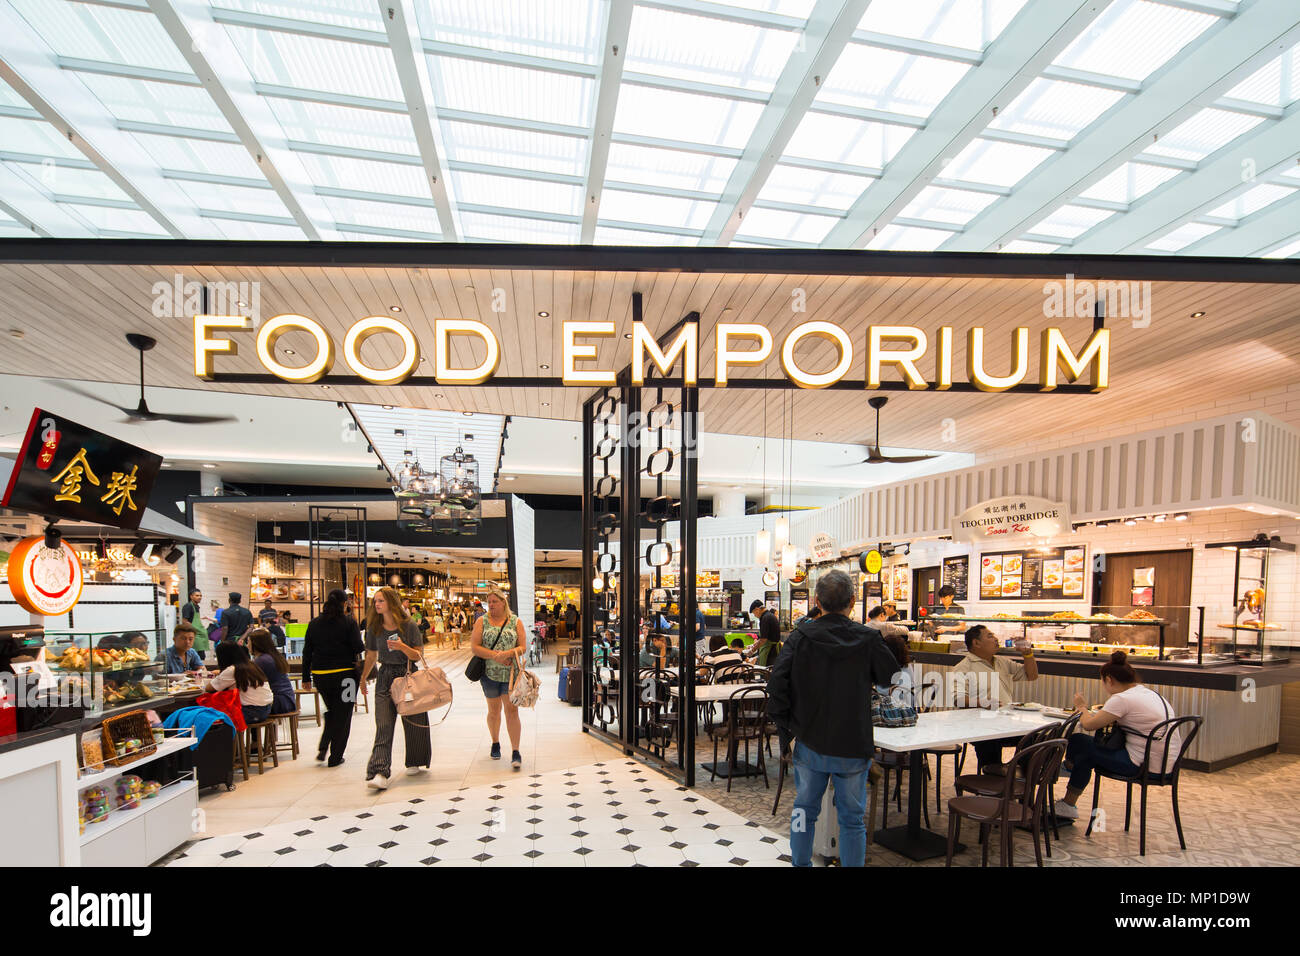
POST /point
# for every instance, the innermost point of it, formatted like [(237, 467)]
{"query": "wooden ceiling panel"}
[(73, 318)]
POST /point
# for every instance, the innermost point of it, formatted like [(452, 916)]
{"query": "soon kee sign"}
[(905, 348), (1019, 516)]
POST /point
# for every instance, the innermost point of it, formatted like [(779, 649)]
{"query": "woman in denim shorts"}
[(499, 638)]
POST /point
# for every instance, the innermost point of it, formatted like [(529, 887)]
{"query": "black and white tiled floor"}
[(614, 813)]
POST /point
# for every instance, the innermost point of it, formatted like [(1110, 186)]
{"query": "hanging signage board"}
[(1033, 574), (870, 561), (65, 470), (822, 547), (44, 580), (1015, 517), (956, 572)]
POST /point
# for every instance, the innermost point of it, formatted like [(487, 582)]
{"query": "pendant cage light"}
[(460, 480)]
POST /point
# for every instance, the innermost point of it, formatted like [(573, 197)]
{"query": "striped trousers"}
[(419, 748)]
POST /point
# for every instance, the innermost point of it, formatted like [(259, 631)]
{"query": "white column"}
[(728, 504)]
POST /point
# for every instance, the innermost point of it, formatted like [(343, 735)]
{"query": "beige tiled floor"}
[(551, 740), (1242, 816)]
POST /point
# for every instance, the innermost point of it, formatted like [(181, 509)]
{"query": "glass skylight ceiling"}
[(513, 94)]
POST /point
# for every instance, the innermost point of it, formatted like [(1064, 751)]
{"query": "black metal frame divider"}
[(629, 520), (354, 519)]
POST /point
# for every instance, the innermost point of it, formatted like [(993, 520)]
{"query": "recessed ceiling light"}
[(394, 308), (290, 352), (544, 368), (544, 315), (1197, 315), (468, 414), (167, 464), (508, 478), (439, 396), (324, 386), (627, 335), (387, 408), (735, 487), (206, 465), (546, 404)]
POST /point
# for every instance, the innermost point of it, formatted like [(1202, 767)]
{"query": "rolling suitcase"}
[(214, 757), (826, 835), (573, 685), (562, 684)]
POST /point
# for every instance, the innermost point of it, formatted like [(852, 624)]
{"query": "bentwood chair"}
[(746, 721), (1033, 768), (1170, 766)]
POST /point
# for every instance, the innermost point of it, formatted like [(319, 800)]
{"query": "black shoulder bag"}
[(477, 666)]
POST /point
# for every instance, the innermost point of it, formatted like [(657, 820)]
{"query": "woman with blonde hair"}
[(498, 638), (394, 641)]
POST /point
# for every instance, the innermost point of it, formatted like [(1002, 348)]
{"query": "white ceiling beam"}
[(1037, 35), (1218, 8), (827, 32), (1256, 234), (1218, 60), (1267, 150), (938, 51), (618, 24), (152, 74), (179, 132), (31, 68), (868, 115), (216, 62), (329, 99), (720, 11), (418, 91), (36, 209), (305, 28)]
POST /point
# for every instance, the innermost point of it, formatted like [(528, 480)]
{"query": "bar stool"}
[(241, 756), (291, 744), (297, 689), (264, 735)]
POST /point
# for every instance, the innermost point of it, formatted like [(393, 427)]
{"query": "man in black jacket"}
[(236, 619), (820, 693)]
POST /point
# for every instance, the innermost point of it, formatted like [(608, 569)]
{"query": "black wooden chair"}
[(1170, 768), (1025, 789)]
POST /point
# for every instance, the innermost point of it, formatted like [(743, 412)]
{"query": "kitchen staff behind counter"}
[(946, 594)]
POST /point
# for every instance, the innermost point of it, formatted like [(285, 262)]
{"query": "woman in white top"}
[(1137, 710), (439, 629), (238, 670)]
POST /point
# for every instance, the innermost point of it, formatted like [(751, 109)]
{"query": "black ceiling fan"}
[(874, 457), (142, 412)]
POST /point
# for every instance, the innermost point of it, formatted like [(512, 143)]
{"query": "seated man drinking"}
[(982, 679)]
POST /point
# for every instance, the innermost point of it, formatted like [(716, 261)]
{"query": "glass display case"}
[(1145, 633), (106, 670), (1245, 629)]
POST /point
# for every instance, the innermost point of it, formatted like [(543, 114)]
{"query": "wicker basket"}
[(122, 728)]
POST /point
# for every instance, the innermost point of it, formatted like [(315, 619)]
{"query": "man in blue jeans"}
[(820, 694)]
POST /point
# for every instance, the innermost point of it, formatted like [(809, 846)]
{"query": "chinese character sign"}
[(66, 470)]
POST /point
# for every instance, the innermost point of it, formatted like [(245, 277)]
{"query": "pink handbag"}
[(421, 690)]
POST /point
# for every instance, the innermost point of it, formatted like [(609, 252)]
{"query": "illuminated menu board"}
[(1032, 574)]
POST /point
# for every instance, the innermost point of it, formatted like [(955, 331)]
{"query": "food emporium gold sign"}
[(1019, 516), (923, 362)]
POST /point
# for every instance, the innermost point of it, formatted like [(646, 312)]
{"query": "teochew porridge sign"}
[(904, 347), (1019, 516)]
